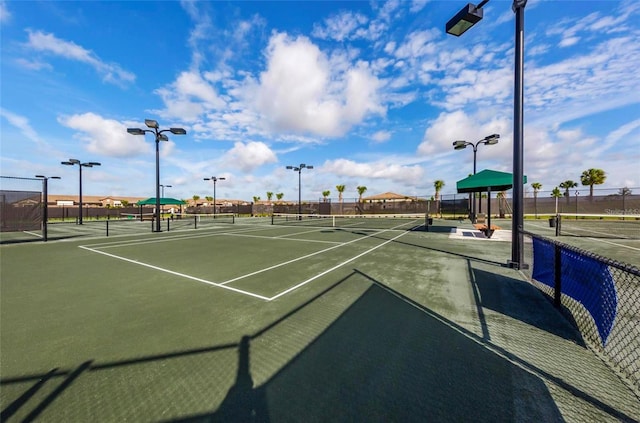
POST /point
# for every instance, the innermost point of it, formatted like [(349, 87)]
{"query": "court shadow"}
[(522, 301), (385, 359)]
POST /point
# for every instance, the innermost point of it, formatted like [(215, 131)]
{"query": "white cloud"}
[(5, 15), (339, 27), (49, 43), (249, 156), (378, 170), (22, 123), (105, 137), (449, 127), (189, 97), (381, 136), (301, 91), (568, 41)]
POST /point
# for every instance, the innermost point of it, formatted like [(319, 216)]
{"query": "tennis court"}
[(252, 321)]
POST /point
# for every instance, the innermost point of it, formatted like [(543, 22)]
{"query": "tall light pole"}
[(461, 145), (163, 187), (159, 136), (214, 179), (45, 208), (465, 19), (72, 162), (299, 170)]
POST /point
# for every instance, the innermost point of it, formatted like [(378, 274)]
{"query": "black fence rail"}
[(601, 296)]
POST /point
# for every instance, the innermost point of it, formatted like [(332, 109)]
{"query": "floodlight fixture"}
[(467, 17), (80, 164), (215, 179), (159, 136)]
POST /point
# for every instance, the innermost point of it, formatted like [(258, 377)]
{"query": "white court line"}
[(280, 238), (32, 233), (613, 243), (182, 275), (336, 267), (297, 259)]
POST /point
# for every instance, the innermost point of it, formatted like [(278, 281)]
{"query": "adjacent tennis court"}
[(304, 320)]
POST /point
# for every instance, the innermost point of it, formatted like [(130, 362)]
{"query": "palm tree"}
[(566, 185), (340, 189), (195, 199), (361, 190), (256, 198), (556, 193), (622, 191), (279, 196), (269, 195), (438, 184), (536, 187), (325, 195), (208, 198), (591, 177)]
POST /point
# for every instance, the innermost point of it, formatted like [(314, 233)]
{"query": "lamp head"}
[(309, 167), (289, 167), (163, 137), (464, 19), (491, 139), (151, 123), (459, 145), (178, 131), (135, 131)]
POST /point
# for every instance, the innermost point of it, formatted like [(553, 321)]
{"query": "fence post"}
[(557, 264)]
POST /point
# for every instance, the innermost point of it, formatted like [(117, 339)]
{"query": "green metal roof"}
[(487, 180), (164, 201)]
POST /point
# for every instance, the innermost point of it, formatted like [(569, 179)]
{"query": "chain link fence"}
[(601, 296)]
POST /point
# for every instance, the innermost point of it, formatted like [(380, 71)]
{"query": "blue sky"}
[(369, 93)]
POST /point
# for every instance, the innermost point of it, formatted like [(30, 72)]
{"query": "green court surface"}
[(256, 322)]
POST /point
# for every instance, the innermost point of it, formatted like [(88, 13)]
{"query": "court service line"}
[(182, 275), (336, 267), (614, 243), (275, 266), (280, 238)]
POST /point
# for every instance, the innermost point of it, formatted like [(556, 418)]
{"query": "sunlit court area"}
[(299, 318), (319, 211)]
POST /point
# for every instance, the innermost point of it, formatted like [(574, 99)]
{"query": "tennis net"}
[(410, 221), (599, 226), (195, 221)]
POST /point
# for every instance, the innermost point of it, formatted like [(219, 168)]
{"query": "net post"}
[(557, 224), (107, 227), (557, 265), (168, 225), (195, 222)]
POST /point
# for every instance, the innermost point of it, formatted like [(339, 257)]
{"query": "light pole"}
[(163, 187), (45, 208), (214, 179), (462, 21), (72, 162), (461, 145), (159, 136), (299, 170)]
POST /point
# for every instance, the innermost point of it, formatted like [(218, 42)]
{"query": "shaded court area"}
[(395, 325)]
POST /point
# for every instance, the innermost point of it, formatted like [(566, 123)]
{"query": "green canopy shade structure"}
[(165, 201), (487, 180)]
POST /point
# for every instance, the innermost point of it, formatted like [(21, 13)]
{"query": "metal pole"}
[(300, 191), (517, 240), (80, 197), (214, 195), (45, 211), (474, 218), (157, 181)]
